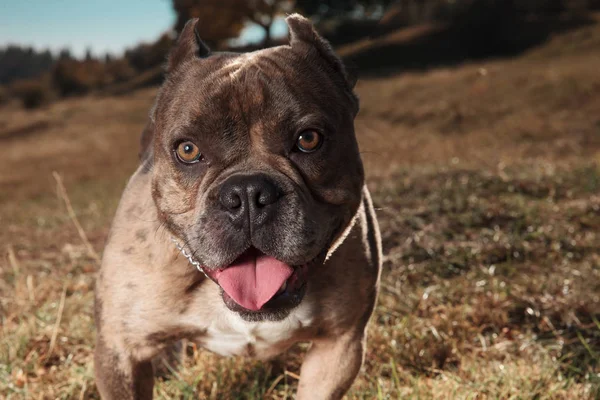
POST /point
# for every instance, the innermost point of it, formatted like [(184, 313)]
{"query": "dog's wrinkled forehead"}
[(301, 78)]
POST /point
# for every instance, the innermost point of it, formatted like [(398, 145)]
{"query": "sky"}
[(103, 25)]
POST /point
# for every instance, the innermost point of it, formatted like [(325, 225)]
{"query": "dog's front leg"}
[(119, 376), (330, 367)]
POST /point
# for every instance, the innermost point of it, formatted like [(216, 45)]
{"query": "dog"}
[(247, 226)]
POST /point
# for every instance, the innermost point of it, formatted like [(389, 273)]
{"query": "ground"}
[(486, 179)]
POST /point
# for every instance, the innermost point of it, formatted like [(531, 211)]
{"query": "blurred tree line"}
[(37, 77), (23, 62)]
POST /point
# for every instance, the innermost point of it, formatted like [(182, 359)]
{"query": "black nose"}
[(249, 198)]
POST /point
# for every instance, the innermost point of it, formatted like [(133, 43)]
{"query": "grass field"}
[(486, 178)]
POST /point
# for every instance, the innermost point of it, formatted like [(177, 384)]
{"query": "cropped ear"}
[(303, 33), (188, 45)]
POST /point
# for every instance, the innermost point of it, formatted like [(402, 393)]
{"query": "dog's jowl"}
[(248, 226)]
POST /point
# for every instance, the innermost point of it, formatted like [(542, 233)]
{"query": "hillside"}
[(486, 178)]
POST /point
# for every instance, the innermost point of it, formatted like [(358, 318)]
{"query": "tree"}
[(145, 56), (23, 63), (327, 9), (263, 13), (219, 19), (65, 54), (224, 19), (88, 54)]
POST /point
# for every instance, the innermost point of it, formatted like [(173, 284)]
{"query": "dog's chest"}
[(230, 335)]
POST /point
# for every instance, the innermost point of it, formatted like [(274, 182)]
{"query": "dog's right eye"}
[(187, 152)]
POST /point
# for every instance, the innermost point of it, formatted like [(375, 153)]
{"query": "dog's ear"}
[(303, 34), (188, 45)]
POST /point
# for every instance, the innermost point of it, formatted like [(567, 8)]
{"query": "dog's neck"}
[(188, 255)]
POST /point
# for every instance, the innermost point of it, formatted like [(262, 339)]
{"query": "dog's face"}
[(255, 161)]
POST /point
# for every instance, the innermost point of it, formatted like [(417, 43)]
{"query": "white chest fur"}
[(230, 335)]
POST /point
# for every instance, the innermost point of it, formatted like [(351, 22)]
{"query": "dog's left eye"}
[(309, 141), (187, 152)]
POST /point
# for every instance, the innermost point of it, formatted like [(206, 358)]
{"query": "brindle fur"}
[(244, 111)]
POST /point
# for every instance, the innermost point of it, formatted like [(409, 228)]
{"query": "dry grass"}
[(487, 182)]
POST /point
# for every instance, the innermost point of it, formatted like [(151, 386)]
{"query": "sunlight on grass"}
[(487, 191)]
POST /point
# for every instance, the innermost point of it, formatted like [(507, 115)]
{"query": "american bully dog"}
[(247, 227)]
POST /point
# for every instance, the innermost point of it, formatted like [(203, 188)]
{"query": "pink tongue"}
[(253, 279)]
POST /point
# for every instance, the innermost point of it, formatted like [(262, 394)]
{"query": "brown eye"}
[(188, 152), (309, 141)]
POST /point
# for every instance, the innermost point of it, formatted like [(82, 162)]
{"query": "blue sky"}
[(103, 25)]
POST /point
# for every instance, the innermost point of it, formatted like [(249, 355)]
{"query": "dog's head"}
[(255, 162)]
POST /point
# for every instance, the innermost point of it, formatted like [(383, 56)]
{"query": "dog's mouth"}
[(256, 282)]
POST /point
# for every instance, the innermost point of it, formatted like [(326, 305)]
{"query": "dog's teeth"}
[(283, 287)]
